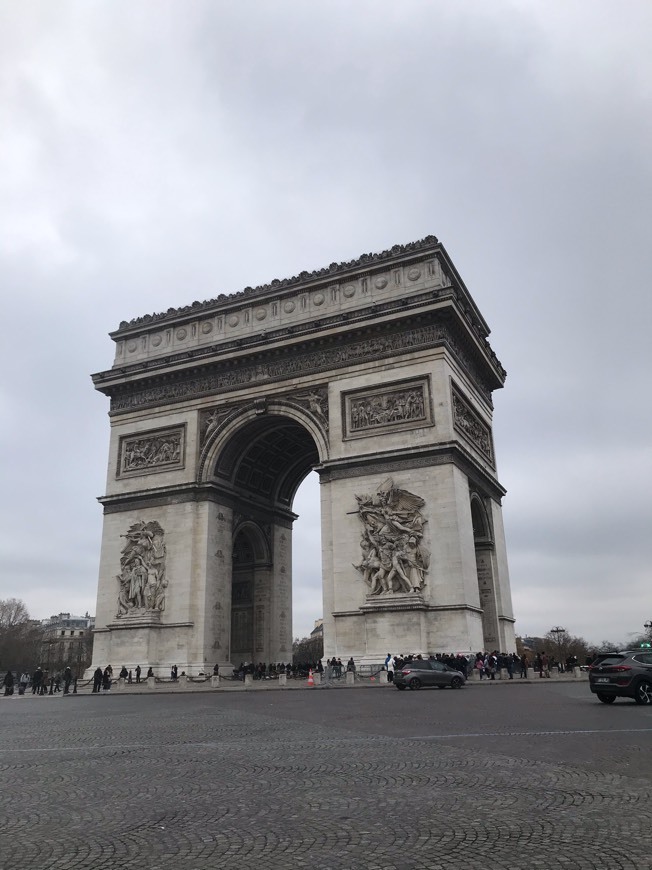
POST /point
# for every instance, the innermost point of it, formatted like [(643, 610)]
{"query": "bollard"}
[(215, 681), (249, 680), (120, 684), (350, 678), (183, 681), (282, 680), (382, 678), (151, 682), (316, 678)]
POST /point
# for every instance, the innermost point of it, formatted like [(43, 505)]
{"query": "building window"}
[(63, 633)]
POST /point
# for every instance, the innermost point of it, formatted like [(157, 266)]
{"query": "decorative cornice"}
[(391, 462), (274, 286), (272, 337), (191, 492), (266, 368)]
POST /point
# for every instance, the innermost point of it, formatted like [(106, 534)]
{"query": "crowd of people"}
[(40, 682), (487, 665)]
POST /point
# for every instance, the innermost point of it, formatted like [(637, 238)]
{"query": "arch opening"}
[(268, 458), (260, 469)]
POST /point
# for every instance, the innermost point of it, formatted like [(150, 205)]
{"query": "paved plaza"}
[(505, 776)]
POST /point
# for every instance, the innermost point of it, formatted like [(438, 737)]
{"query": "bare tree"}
[(20, 636), (12, 613)]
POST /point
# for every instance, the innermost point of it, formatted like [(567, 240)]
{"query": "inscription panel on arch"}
[(149, 452), (399, 405)]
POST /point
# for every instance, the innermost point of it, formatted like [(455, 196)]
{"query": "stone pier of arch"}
[(377, 374)]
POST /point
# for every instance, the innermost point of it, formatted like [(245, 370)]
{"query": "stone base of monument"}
[(394, 601)]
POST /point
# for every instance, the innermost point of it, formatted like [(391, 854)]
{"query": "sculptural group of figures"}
[(142, 579), (393, 557), (147, 452), (387, 409)]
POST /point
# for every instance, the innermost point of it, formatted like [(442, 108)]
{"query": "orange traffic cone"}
[(311, 681)]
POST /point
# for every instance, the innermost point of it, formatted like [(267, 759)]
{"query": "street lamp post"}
[(558, 632)]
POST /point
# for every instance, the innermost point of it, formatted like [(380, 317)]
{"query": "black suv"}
[(427, 672), (626, 674)]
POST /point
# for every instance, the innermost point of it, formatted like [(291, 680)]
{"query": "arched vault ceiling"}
[(268, 458)]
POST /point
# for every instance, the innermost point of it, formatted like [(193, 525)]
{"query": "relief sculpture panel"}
[(394, 559), (159, 450), (403, 404), (471, 425), (142, 582)]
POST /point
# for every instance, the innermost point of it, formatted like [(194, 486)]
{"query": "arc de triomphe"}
[(376, 373)]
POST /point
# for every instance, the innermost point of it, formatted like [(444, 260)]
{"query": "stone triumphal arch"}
[(376, 373)]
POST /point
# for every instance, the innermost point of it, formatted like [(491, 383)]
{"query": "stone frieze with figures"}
[(394, 559), (142, 584), (400, 405), (469, 423), (219, 380), (156, 450)]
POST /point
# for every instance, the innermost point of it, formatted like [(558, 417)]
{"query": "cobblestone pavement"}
[(502, 778)]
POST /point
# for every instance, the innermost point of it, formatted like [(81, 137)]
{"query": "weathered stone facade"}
[(376, 373)]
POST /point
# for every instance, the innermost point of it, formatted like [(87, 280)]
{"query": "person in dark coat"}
[(138, 673), (8, 683), (67, 680), (97, 679), (37, 676)]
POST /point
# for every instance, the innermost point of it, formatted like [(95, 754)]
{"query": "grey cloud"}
[(148, 162)]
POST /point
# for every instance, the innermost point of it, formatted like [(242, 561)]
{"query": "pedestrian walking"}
[(138, 673), (8, 683), (37, 678)]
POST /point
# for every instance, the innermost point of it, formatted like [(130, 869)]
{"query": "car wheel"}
[(456, 683), (606, 699), (415, 683), (400, 688), (643, 692)]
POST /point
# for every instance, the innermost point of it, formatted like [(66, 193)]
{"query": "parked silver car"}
[(626, 674), (427, 672)]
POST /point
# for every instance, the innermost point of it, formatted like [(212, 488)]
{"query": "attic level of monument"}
[(412, 302), (365, 264)]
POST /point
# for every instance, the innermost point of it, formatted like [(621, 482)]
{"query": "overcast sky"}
[(153, 154)]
